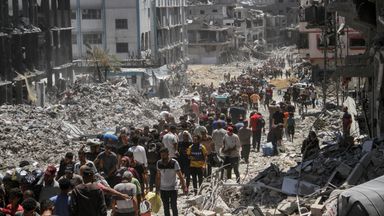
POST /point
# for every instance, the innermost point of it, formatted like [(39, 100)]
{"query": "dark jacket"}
[(88, 199)]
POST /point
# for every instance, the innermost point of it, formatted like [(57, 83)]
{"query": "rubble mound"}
[(44, 135), (99, 107)]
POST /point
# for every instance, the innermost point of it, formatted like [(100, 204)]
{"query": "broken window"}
[(202, 11), (121, 47), (356, 42), (91, 14), (214, 11), (121, 23), (303, 42), (249, 24), (92, 38)]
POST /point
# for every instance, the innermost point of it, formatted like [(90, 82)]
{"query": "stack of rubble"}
[(45, 134), (98, 107)]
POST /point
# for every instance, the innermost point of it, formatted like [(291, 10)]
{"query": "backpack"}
[(260, 123)]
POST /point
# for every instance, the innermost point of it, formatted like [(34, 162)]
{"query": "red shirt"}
[(253, 121), (9, 211)]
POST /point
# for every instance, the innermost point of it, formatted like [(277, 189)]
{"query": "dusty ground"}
[(207, 74), (283, 83)]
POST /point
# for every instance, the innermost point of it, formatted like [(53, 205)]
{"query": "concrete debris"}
[(296, 187), (85, 109), (287, 207)]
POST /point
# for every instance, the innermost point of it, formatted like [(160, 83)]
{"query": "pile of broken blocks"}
[(306, 188)]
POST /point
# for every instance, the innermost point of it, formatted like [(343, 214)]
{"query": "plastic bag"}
[(145, 208), (155, 201)]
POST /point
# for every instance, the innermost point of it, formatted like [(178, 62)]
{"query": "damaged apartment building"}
[(216, 28), (281, 20), (35, 48), (355, 28), (148, 36)]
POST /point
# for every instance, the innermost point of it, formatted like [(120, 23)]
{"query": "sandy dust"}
[(207, 74), (282, 83)]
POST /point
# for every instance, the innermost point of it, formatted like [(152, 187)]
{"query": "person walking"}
[(128, 207), (218, 137), (278, 125), (198, 156), (185, 141), (245, 135), (166, 182), (257, 123), (106, 162), (291, 126), (61, 201), (347, 122), (231, 153), (87, 198), (170, 141)]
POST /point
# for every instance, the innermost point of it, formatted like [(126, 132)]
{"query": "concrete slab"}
[(292, 186)]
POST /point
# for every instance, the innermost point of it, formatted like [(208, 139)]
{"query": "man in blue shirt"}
[(61, 201)]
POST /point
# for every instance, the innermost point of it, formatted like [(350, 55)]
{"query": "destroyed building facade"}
[(216, 28), (250, 26), (35, 45), (281, 20)]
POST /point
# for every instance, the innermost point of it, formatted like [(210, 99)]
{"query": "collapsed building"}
[(210, 31), (35, 45), (215, 29), (250, 26), (282, 20)]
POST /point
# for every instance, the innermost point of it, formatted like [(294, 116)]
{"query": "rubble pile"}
[(31, 133), (44, 135), (99, 107)]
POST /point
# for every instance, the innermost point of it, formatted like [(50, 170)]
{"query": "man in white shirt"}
[(138, 151), (83, 161), (231, 152), (170, 141), (218, 137), (127, 207)]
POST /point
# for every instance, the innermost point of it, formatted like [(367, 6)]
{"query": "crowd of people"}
[(116, 170)]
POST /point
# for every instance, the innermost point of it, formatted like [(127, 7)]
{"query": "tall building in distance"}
[(147, 30), (119, 26)]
